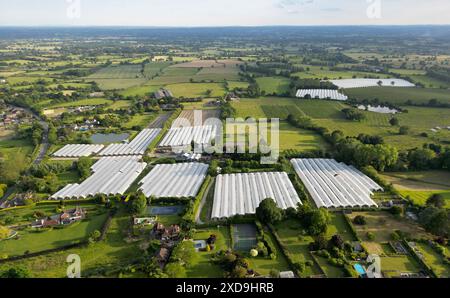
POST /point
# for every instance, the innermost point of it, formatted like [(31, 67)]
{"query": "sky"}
[(203, 13)]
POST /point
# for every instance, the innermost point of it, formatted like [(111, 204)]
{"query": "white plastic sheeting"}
[(321, 94), (240, 194), (78, 150), (183, 136), (333, 184), (136, 147), (174, 180), (362, 83), (111, 176)]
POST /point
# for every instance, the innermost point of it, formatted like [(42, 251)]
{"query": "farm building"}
[(333, 184), (136, 147), (111, 176), (240, 194), (362, 83), (174, 180), (321, 94), (183, 136), (78, 150)]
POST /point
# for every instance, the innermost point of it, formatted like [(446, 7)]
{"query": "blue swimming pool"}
[(360, 269)]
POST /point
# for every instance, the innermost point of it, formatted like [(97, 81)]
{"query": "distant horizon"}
[(218, 26), (215, 13)]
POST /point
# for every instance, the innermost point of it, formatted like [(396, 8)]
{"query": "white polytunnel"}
[(110, 176), (174, 180), (240, 194), (332, 184)]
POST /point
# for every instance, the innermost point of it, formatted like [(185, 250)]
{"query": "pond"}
[(101, 138), (378, 109)]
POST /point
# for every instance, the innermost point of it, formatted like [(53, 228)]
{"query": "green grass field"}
[(194, 90), (318, 72), (399, 95), (434, 260), (202, 267), (33, 240), (81, 102), (140, 120), (273, 85), (297, 244), (393, 266), (13, 145), (419, 186)]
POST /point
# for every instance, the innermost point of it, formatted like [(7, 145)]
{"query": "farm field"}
[(82, 102), (322, 73), (118, 77), (13, 145), (399, 96), (273, 85), (235, 84), (328, 114), (419, 186), (194, 90)]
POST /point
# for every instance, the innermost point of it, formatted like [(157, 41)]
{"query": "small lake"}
[(378, 109), (101, 138)]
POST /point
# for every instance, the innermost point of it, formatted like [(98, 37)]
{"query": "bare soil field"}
[(190, 115)]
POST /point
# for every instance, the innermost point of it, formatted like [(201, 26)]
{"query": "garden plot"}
[(321, 94), (78, 150), (175, 180), (362, 83), (111, 176), (332, 184), (242, 193)]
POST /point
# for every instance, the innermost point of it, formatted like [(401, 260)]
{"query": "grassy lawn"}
[(34, 240), (13, 145), (113, 252), (273, 85), (434, 260), (297, 244), (339, 226), (330, 271), (202, 266), (140, 120), (263, 266), (392, 266)]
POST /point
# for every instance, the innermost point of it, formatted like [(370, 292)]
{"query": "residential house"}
[(64, 218)]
